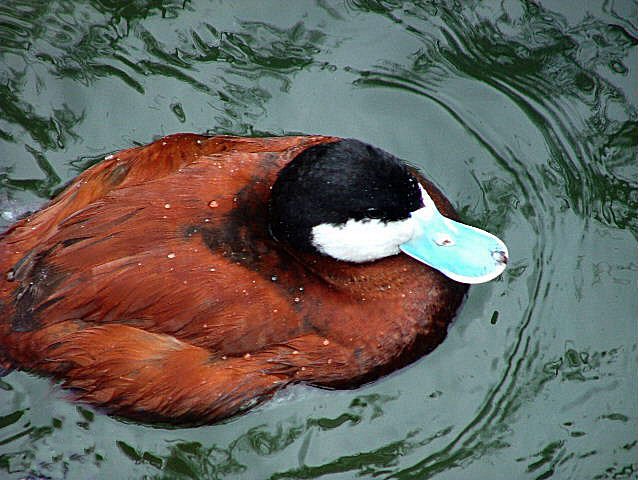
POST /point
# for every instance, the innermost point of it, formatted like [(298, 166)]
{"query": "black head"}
[(333, 183)]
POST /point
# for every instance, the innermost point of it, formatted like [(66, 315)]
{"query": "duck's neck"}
[(392, 276)]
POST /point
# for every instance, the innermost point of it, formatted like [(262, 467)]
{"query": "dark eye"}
[(373, 213)]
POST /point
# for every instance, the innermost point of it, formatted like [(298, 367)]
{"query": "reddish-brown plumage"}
[(152, 287)]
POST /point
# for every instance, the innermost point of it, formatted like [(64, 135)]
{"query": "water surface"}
[(523, 112)]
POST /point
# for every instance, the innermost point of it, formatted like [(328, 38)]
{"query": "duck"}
[(190, 279)]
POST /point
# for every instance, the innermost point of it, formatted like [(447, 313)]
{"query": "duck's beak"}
[(463, 253)]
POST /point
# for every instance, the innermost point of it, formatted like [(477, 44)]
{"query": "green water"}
[(525, 114)]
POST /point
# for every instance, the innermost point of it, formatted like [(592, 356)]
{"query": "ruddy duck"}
[(190, 279)]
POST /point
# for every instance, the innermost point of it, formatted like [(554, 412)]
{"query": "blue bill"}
[(464, 253)]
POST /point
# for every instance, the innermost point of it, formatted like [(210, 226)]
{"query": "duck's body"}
[(153, 287)]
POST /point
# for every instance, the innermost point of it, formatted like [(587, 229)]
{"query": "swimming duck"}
[(190, 279)]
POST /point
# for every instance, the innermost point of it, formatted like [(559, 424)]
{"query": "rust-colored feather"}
[(153, 288)]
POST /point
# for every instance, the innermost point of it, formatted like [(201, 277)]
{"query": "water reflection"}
[(192, 459), (86, 42), (545, 100), (538, 57)]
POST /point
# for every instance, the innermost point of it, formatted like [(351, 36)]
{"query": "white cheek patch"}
[(427, 211), (362, 240)]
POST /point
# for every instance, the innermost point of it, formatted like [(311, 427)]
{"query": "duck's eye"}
[(373, 213)]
